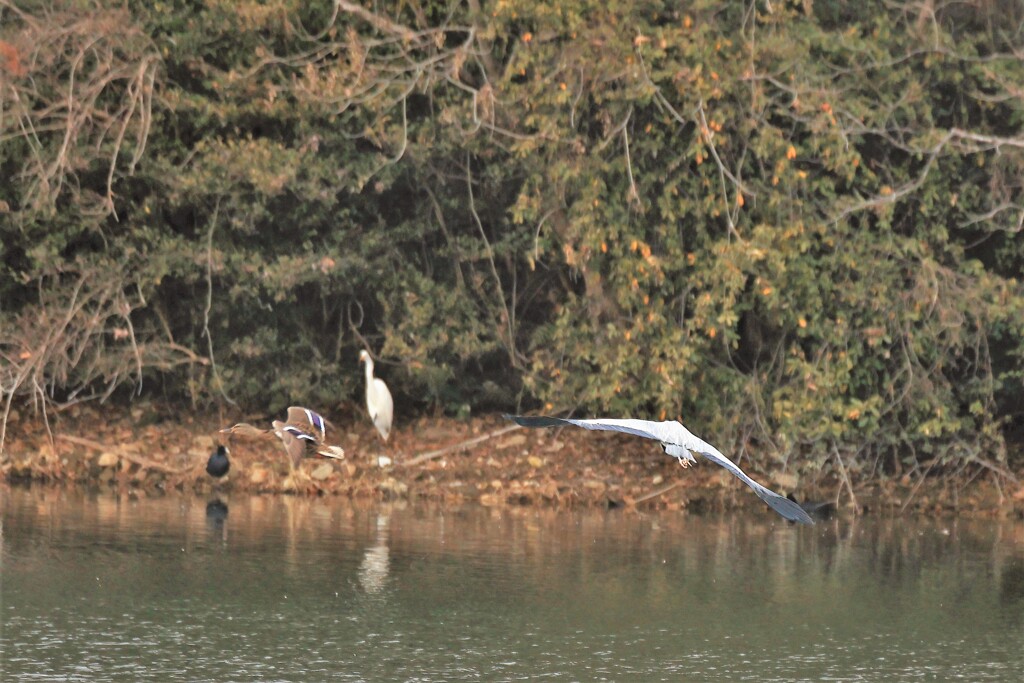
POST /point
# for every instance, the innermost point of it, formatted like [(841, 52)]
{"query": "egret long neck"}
[(369, 370)]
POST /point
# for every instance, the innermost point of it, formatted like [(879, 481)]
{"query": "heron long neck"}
[(369, 371)]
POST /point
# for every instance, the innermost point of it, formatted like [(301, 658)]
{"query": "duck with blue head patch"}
[(304, 434)]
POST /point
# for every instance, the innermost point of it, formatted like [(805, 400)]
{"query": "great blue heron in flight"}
[(378, 399), (681, 444)]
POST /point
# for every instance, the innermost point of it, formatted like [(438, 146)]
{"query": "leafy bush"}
[(793, 224)]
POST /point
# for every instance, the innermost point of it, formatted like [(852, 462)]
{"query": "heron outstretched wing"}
[(785, 507), (674, 433), (644, 428)]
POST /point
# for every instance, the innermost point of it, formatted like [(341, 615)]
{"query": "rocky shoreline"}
[(483, 460)]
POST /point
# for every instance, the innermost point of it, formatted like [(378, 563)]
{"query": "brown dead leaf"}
[(510, 442), (786, 480), (108, 459), (393, 486), (324, 471)]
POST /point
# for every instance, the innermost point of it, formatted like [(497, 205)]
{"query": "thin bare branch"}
[(462, 445), (508, 319)]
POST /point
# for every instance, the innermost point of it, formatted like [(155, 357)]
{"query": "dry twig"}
[(462, 445), (122, 452)]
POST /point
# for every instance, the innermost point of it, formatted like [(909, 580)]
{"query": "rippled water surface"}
[(98, 588)]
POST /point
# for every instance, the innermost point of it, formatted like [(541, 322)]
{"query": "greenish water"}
[(99, 588)]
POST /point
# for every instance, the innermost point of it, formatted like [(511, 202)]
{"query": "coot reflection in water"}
[(103, 588), (216, 512)]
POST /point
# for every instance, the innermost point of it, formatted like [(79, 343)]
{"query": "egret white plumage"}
[(681, 444), (378, 399)]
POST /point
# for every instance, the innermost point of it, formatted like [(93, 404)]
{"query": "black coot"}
[(218, 464)]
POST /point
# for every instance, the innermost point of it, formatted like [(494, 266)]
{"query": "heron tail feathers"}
[(785, 507)]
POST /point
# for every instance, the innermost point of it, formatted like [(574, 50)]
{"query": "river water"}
[(103, 588)]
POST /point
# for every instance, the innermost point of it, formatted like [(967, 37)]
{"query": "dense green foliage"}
[(792, 223)]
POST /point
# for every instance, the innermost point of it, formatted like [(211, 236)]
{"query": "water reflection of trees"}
[(669, 559)]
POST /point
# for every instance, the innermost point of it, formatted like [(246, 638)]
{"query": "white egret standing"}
[(378, 399), (680, 443)]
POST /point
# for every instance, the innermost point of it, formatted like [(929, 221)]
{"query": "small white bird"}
[(680, 443), (378, 399)]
